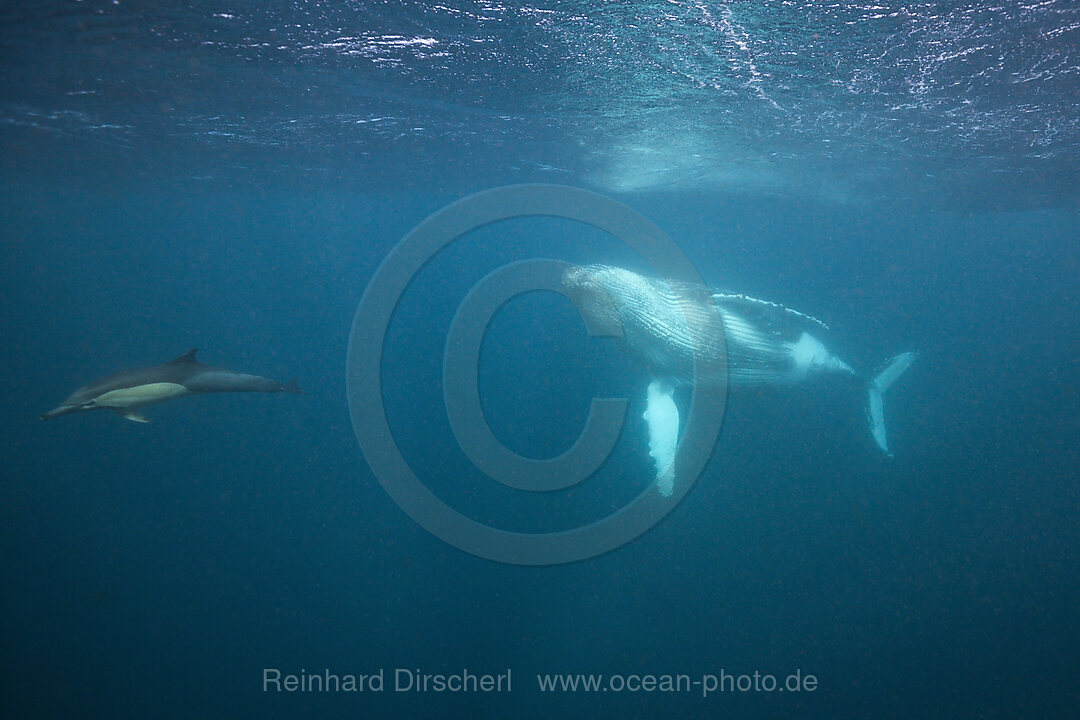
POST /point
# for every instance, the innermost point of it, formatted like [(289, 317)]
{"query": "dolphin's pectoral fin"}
[(663, 419), (132, 415)]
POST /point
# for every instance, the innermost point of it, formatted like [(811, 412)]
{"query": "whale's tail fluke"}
[(881, 382)]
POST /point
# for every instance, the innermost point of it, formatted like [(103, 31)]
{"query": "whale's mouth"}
[(593, 298), (576, 277), (586, 283), (580, 285)]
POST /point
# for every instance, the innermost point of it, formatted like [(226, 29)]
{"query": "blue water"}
[(229, 176)]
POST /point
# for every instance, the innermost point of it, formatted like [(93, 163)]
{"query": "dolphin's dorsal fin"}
[(185, 359)]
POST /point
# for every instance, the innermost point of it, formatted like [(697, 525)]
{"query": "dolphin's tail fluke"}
[(881, 382)]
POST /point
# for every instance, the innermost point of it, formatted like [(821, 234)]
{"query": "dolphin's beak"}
[(62, 410)]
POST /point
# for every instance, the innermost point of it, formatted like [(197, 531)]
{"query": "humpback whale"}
[(125, 392), (749, 342)]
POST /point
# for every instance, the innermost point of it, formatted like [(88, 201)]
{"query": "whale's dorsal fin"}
[(187, 358), (745, 302)]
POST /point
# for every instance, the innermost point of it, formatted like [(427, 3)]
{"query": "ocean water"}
[(231, 177)]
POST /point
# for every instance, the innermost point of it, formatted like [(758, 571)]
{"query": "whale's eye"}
[(89, 403)]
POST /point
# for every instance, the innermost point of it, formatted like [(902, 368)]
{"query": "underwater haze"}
[(229, 176)]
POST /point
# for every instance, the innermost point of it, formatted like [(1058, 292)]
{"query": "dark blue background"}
[(157, 569)]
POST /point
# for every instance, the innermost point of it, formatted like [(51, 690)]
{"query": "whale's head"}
[(666, 324), (580, 280), (590, 287)]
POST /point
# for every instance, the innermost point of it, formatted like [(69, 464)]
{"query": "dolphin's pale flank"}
[(125, 392), (748, 342)]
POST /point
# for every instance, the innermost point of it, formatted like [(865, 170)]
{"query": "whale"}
[(126, 392), (746, 341)]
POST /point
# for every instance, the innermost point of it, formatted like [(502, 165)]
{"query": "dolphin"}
[(125, 392), (747, 342)]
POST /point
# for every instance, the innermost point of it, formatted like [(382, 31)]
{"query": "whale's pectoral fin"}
[(663, 419), (132, 415), (875, 407)]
